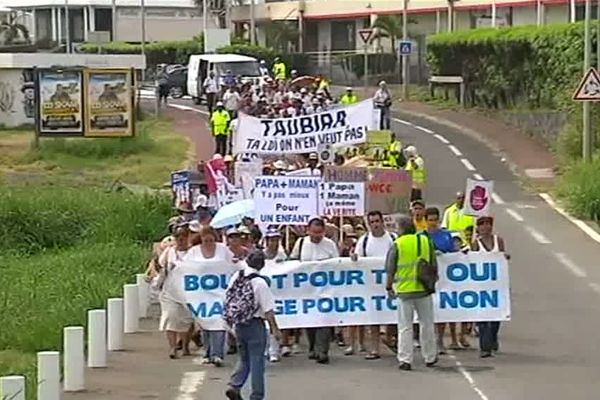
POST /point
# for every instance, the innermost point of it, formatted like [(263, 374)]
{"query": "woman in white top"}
[(175, 318), (210, 249), (487, 241)]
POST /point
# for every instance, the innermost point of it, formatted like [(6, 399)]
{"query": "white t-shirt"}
[(262, 293), (222, 253), (210, 85), (376, 246), (231, 100), (323, 250), (168, 261)]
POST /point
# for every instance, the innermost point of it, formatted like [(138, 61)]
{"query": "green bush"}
[(579, 186), (63, 217), (538, 66), (173, 52)]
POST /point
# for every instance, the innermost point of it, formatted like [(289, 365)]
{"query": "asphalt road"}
[(548, 351)]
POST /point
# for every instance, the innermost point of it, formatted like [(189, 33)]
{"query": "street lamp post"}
[(587, 136), (252, 24), (405, 59), (67, 27), (143, 26)]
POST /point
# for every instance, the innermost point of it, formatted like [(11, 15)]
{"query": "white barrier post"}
[(73, 359), (115, 324), (48, 376), (131, 302), (144, 292), (96, 339), (12, 387)]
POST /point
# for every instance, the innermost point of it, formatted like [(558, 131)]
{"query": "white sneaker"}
[(285, 351), (218, 361), (296, 349), (274, 359)]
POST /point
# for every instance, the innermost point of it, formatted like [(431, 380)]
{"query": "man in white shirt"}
[(252, 335), (374, 243), (232, 100), (316, 247), (211, 88)]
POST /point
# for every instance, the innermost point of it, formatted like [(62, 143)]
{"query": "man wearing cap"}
[(383, 102), (279, 69), (211, 88), (313, 164), (252, 335), (349, 98), (415, 164), (273, 249), (219, 123), (235, 243)]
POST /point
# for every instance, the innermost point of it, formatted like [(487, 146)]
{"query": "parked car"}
[(177, 78)]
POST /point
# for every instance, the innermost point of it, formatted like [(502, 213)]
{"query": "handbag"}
[(427, 273)]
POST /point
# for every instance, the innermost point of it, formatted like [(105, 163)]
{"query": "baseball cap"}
[(231, 232), (194, 226), (272, 233)]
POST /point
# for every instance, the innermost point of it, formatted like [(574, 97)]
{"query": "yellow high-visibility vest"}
[(406, 279), (279, 70), (393, 153), (456, 220), (419, 175), (220, 121), (347, 99)]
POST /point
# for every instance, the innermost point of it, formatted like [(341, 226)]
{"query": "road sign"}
[(589, 88), (405, 48), (365, 34)]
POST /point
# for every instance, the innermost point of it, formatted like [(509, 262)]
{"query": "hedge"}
[(175, 52), (539, 66)]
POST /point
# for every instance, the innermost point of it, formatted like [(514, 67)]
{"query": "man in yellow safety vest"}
[(416, 166), (219, 123), (279, 69), (402, 267), (395, 158), (349, 98), (455, 219)]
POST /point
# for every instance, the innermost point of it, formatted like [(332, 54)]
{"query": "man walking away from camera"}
[(249, 302)]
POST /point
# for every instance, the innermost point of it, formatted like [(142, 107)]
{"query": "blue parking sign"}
[(405, 48)]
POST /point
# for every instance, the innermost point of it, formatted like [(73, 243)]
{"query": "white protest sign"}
[(300, 172), (342, 292), (304, 134), (226, 192), (478, 197), (342, 199), (290, 200), (245, 173)]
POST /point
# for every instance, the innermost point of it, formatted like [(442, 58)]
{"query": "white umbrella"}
[(232, 214)]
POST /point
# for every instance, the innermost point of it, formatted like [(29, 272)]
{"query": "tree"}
[(12, 32), (389, 26), (280, 34)]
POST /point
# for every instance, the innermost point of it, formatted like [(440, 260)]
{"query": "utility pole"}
[(67, 26), (587, 135), (143, 11), (494, 13), (204, 19), (114, 20), (405, 59), (252, 24)]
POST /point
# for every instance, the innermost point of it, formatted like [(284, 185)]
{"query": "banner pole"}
[(287, 238)]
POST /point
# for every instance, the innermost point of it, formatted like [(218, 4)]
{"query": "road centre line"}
[(497, 199), (455, 150), (570, 265), (537, 236), (469, 378), (441, 138), (594, 286), (479, 177), (403, 121), (190, 383), (423, 129), (516, 216), (588, 230), (468, 164)]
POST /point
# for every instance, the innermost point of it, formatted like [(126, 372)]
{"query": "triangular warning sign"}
[(589, 88), (365, 34)]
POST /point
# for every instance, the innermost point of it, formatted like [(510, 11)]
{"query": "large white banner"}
[(339, 292), (339, 127)]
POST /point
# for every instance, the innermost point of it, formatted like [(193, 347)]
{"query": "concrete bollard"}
[(144, 293), (114, 340), (12, 387), (48, 375), (73, 359), (96, 350), (131, 302)]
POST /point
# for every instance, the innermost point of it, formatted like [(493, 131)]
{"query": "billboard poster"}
[(60, 103), (109, 101)]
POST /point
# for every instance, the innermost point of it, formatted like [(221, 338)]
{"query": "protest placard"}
[(377, 144), (338, 127), (342, 199), (478, 197), (388, 190), (245, 172), (60, 103), (345, 174), (341, 292), (180, 185), (290, 200)]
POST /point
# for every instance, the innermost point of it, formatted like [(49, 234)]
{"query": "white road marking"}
[(423, 129), (190, 383), (570, 265), (455, 150), (594, 286), (441, 138), (516, 216), (479, 177), (497, 199), (538, 236), (468, 164), (403, 121), (469, 378), (188, 108), (588, 230)]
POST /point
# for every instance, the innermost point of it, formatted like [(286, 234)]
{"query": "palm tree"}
[(389, 26), (12, 32)]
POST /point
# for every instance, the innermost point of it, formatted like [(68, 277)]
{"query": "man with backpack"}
[(375, 243), (248, 303)]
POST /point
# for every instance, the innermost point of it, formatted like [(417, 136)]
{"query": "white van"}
[(199, 66)]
